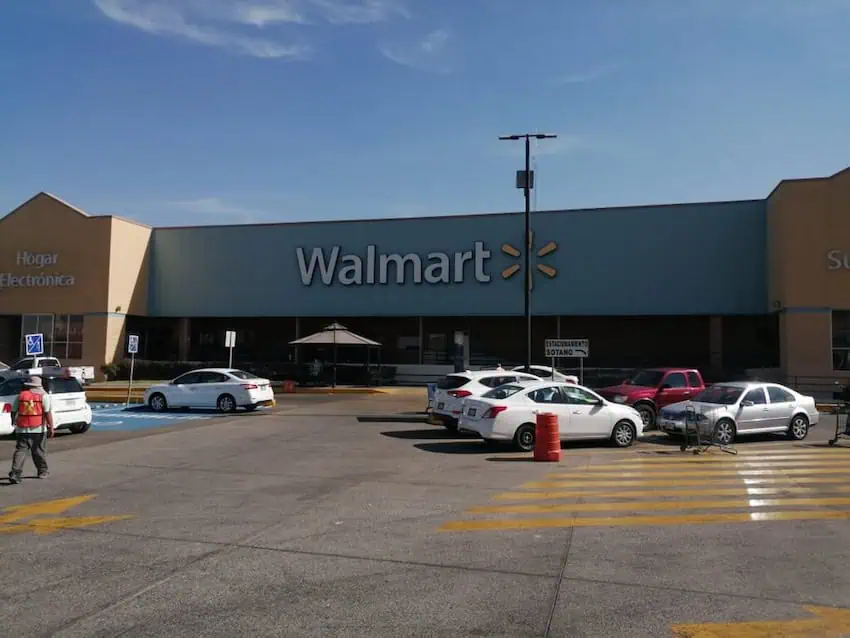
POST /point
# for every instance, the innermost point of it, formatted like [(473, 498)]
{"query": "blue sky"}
[(229, 111)]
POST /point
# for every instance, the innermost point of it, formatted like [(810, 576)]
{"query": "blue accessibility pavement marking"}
[(118, 417)]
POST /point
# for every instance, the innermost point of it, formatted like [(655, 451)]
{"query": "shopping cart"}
[(842, 425), (699, 434)]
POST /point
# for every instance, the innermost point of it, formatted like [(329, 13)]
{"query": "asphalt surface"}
[(343, 516)]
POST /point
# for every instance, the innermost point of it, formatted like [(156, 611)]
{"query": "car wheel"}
[(524, 437), (623, 434), (226, 403), (157, 402), (80, 428), (450, 424), (647, 415), (798, 428), (724, 432)]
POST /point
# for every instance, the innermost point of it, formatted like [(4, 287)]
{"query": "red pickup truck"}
[(651, 389)]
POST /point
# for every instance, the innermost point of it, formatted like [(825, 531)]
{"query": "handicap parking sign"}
[(34, 344)]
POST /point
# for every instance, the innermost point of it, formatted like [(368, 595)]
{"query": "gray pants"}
[(35, 444)]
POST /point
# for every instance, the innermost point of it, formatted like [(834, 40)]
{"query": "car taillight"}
[(496, 409), (459, 394), (249, 386)]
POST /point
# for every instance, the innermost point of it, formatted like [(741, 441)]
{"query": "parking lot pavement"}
[(328, 519)]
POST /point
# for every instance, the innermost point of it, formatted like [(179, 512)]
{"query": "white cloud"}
[(589, 75), (217, 211), (360, 12), (233, 24), (426, 54)]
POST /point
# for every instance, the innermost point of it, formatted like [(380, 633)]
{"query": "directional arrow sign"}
[(829, 622), (567, 348)]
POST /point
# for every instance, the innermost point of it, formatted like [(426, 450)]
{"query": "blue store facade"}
[(657, 285)]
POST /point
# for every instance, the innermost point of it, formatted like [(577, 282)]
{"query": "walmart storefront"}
[(760, 284)]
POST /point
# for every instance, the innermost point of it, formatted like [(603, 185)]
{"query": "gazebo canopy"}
[(334, 334)]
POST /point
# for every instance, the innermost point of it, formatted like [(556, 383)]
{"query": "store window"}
[(63, 334), (841, 339)]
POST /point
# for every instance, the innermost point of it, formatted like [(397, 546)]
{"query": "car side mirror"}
[(747, 404)]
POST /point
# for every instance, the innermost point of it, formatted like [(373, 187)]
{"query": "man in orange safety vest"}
[(33, 426)]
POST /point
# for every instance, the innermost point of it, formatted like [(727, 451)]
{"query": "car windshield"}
[(646, 378), (502, 392), (719, 394), (241, 374), (452, 382)]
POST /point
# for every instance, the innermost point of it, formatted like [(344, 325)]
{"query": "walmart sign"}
[(373, 267)]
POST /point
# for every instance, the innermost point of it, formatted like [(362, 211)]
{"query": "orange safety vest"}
[(30, 410)]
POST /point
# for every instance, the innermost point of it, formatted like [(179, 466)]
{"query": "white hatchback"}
[(223, 389), (454, 389), (509, 413), (69, 407)]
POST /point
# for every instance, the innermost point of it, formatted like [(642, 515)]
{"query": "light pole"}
[(525, 181)]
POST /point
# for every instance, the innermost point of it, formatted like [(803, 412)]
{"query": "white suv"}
[(69, 406), (454, 389)]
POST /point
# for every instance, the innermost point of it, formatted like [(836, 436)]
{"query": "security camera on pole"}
[(525, 181)]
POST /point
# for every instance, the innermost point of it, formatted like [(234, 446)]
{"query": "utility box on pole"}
[(521, 179)]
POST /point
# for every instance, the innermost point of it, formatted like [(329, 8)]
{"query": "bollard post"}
[(547, 438)]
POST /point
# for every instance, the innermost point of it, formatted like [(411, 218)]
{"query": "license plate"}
[(471, 412), (440, 406)]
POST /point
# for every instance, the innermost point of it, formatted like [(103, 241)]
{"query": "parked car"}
[(69, 407), (548, 372), (453, 389), (509, 413), (224, 389), (651, 389), (40, 366), (726, 410)]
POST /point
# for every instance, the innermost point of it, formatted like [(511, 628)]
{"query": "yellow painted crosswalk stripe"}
[(701, 472), (633, 506), (614, 483), (757, 485), (633, 521), (639, 494), (760, 462)]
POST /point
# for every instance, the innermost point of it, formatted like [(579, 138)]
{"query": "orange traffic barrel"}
[(289, 387), (547, 438)]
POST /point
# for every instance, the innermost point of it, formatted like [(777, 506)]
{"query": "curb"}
[(110, 395)]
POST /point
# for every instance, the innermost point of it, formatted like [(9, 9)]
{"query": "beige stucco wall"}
[(106, 256), (806, 220), (45, 225)]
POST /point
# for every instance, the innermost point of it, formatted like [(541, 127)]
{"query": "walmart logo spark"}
[(549, 271)]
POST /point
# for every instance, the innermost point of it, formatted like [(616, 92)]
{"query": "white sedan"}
[(224, 389), (509, 413)]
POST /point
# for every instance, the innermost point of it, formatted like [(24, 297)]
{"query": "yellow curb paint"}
[(828, 621), (638, 494), (729, 472), (634, 521), (636, 506), (666, 482)]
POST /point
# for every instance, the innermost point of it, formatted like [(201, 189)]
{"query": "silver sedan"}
[(725, 410)]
